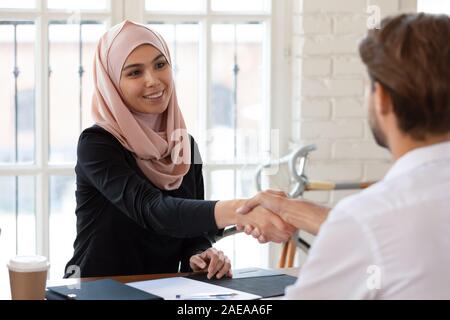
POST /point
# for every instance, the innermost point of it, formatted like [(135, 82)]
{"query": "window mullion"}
[(267, 126), (235, 104), (204, 90), (280, 71), (278, 91), (16, 133), (16, 73), (117, 12), (42, 132), (134, 10), (18, 15), (34, 170)]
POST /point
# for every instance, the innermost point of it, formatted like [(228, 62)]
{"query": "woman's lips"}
[(155, 96)]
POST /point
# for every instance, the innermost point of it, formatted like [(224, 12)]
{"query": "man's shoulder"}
[(367, 203)]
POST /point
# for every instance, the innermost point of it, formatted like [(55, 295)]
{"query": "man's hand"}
[(301, 214), (251, 230), (269, 199), (265, 225), (213, 262)]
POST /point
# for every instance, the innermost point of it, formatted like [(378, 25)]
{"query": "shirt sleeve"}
[(340, 264), (103, 163), (193, 246)]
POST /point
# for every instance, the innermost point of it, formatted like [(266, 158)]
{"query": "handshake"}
[(272, 216)]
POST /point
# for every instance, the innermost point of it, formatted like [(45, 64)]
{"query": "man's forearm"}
[(304, 215)]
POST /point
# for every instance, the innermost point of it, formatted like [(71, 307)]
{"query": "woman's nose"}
[(150, 79)]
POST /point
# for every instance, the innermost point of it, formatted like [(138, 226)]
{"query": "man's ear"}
[(382, 100)]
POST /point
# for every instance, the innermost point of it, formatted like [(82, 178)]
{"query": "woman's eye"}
[(160, 65), (134, 73)]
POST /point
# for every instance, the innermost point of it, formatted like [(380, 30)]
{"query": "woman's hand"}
[(266, 225), (269, 226), (212, 261), (254, 231), (301, 214)]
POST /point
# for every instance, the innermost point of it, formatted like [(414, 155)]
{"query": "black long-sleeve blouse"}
[(125, 224)]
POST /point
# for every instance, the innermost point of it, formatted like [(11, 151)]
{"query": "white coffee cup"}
[(28, 277)]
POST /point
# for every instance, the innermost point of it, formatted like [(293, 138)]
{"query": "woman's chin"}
[(152, 109)]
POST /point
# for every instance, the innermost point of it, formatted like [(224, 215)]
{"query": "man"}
[(392, 240)]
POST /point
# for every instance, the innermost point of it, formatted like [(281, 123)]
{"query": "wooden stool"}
[(287, 254)]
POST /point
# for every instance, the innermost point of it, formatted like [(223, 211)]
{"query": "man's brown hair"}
[(410, 57)]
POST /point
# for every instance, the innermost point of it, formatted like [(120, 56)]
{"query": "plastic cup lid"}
[(28, 263)]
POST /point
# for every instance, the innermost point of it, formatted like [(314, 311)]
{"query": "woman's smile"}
[(154, 97)]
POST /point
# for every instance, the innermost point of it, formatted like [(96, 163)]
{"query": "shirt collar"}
[(418, 157)]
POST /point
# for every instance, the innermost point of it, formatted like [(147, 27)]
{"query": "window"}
[(71, 51), (17, 94), (12, 4), (46, 75), (17, 215), (222, 56)]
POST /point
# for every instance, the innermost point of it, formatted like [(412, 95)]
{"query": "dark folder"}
[(106, 289), (264, 283)]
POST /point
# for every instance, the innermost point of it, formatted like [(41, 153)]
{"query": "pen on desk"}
[(223, 294), (207, 295)]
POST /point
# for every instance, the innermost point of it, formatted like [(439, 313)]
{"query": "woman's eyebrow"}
[(141, 64)]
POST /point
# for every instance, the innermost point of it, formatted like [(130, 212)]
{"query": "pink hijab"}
[(159, 142)]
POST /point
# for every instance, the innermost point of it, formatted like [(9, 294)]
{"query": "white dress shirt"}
[(390, 241)]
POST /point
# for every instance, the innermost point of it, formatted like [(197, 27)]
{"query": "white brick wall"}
[(332, 129), (330, 44), (347, 24), (323, 87), (349, 108), (347, 65), (315, 108), (328, 91), (359, 150), (316, 67)]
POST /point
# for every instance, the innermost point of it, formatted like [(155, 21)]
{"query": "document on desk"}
[(180, 288)]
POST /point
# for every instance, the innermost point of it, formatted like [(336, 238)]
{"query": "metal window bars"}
[(81, 70), (16, 74)]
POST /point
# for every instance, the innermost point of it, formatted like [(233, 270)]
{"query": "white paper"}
[(188, 289)]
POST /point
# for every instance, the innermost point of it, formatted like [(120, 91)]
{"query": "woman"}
[(140, 206)]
